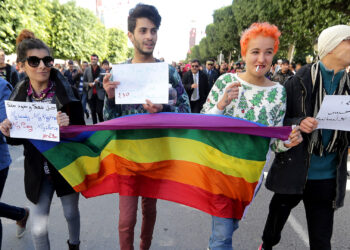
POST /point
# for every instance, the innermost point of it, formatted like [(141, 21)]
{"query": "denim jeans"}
[(40, 216), (222, 232), (84, 100)]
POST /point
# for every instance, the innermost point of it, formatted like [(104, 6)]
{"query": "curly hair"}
[(143, 10), (25, 41), (264, 29)]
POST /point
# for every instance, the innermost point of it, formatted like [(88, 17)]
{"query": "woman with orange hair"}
[(251, 96)]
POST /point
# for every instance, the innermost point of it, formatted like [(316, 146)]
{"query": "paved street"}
[(177, 227)]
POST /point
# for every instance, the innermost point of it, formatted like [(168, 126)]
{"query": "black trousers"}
[(318, 199), (96, 108), (196, 106)]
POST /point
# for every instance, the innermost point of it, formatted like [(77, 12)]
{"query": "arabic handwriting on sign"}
[(339, 119), (338, 113)]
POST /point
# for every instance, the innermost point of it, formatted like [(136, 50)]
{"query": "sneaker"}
[(260, 247), (21, 224)]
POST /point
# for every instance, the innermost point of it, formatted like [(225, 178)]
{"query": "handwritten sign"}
[(334, 113), (33, 120), (141, 81)]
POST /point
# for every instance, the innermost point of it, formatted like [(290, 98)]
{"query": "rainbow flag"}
[(209, 162)]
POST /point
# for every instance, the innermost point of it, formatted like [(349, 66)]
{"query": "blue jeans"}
[(84, 100), (221, 233), (40, 216)]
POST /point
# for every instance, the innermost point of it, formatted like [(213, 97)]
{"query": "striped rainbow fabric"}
[(212, 163)]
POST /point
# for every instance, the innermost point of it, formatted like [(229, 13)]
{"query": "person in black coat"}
[(211, 73), (315, 171), (45, 84), (196, 86)]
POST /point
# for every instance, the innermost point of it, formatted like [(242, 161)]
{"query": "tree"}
[(117, 45), (76, 32), (20, 14)]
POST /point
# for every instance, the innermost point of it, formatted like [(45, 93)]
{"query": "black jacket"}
[(212, 77), (187, 81), (67, 100), (288, 173), (282, 77), (11, 75)]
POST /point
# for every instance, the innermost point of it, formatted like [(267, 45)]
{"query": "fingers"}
[(234, 85), (232, 91), (5, 127), (308, 125), (109, 86), (106, 78), (151, 107), (62, 119)]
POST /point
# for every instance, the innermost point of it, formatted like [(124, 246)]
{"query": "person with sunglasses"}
[(211, 73), (45, 84), (196, 86)]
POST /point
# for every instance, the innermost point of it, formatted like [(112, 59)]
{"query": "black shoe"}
[(87, 114), (72, 246)]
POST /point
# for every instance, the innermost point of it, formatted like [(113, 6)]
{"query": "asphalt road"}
[(177, 227)]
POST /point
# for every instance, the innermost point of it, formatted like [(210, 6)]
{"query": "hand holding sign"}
[(33, 120), (109, 86), (138, 82), (334, 113), (5, 127)]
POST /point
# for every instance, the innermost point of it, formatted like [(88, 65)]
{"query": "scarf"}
[(318, 93)]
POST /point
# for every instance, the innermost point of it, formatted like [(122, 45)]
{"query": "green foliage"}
[(71, 31), (300, 22), (117, 46)]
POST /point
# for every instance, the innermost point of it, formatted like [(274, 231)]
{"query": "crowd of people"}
[(310, 166)]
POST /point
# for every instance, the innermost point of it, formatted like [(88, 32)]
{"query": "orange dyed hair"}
[(260, 29)]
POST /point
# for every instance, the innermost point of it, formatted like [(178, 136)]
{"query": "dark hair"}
[(105, 61), (85, 62), (195, 61), (143, 10), (285, 61), (94, 55), (25, 41)]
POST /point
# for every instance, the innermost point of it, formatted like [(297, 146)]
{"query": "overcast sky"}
[(178, 17)]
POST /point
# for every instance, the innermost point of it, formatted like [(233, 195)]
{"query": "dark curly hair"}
[(25, 41), (143, 10)]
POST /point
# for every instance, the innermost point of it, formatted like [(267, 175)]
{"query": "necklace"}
[(40, 98)]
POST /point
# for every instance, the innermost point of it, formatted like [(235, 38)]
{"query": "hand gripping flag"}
[(209, 162)]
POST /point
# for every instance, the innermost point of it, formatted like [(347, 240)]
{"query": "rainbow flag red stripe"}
[(212, 163)]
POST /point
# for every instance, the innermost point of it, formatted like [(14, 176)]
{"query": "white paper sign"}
[(33, 120), (141, 81), (334, 113)]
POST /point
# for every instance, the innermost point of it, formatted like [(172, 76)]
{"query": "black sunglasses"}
[(194, 66), (34, 61)]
